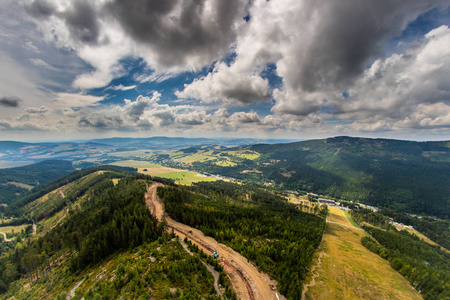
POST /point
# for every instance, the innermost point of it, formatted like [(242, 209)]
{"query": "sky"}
[(299, 69)]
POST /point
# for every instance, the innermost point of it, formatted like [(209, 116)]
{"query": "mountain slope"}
[(16, 182), (101, 241), (404, 175)]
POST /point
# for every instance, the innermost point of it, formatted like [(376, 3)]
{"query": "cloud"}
[(65, 100), (10, 101), (35, 110), (29, 45), (155, 77), (392, 89), (181, 33), (40, 9), (244, 117), (40, 63), (224, 84), (82, 21), (194, 118), (171, 36), (121, 87), (21, 126)]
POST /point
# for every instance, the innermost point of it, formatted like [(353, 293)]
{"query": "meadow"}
[(349, 271), (180, 176)]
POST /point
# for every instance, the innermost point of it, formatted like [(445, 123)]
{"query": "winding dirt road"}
[(4, 236), (247, 281)]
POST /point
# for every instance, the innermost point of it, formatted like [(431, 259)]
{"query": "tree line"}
[(426, 267)]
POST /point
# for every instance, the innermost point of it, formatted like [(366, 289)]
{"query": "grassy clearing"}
[(350, 271), (21, 185), (134, 164), (225, 162), (245, 154), (12, 229), (180, 176), (199, 156), (337, 216), (187, 177), (157, 170)]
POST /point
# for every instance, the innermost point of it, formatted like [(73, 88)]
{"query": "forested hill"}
[(404, 175), (16, 182), (411, 176)]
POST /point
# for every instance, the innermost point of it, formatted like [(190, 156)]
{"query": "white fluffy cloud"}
[(225, 84)]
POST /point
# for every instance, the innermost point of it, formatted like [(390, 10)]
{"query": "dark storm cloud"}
[(81, 18), (10, 101), (348, 35), (40, 9), (82, 22), (177, 29)]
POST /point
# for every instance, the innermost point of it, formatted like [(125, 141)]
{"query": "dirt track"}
[(4, 236), (247, 281)]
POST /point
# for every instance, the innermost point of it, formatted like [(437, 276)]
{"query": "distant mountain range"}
[(80, 150)]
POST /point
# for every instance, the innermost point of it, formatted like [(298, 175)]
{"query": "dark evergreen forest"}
[(279, 238)]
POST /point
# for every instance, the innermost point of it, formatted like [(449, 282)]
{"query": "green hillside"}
[(95, 235), (17, 182), (403, 175)]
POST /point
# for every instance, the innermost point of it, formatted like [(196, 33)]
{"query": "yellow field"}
[(349, 271)]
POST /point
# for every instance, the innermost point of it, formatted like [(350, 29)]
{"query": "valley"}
[(146, 212)]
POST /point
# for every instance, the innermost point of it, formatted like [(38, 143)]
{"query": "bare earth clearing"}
[(347, 270), (247, 281)]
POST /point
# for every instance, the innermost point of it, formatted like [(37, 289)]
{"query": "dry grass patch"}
[(350, 271), (158, 170)]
